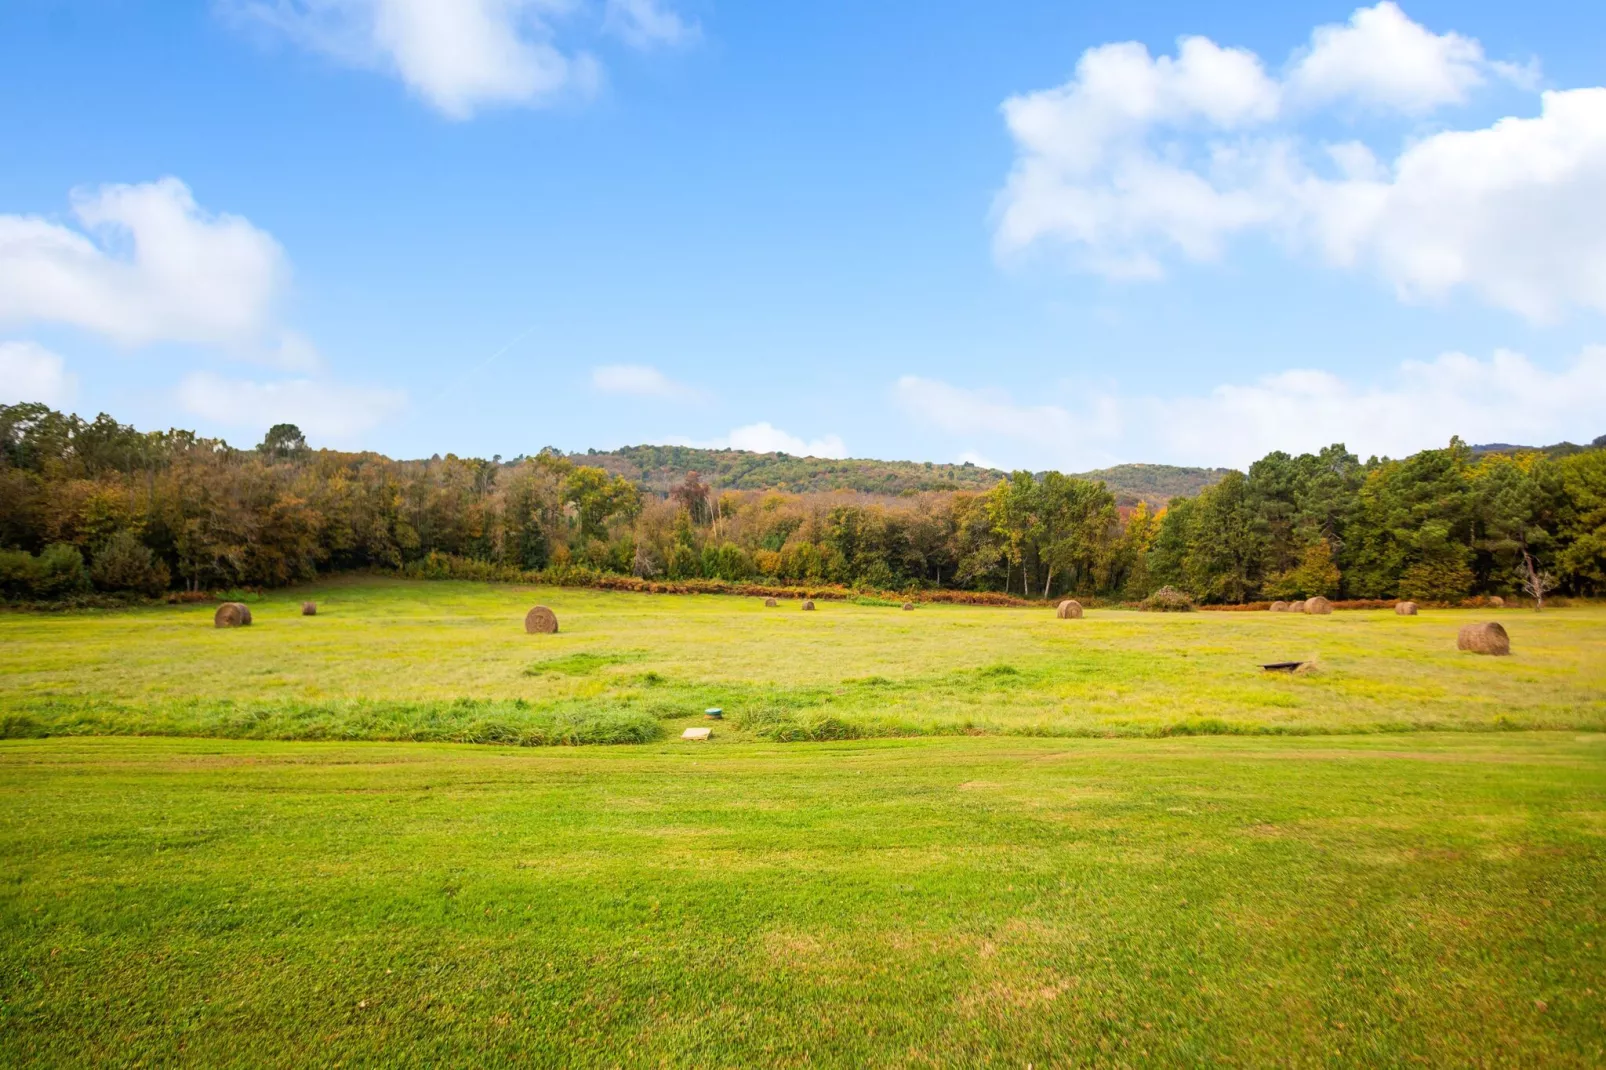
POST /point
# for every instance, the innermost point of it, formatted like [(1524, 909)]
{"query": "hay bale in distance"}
[(309, 609), (697, 733), (770, 603), (540, 621), (1485, 637), (1296, 607), (1070, 609), (808, 604), (232, 615), (1318, 605), (908, 606), (1279, 607), (1496, 602), (1405, 609)]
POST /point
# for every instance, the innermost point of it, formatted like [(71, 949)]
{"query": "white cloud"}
[(1506, 398), (294, 352), (648, 24), (1511, 212), (641, 380), (1383, 59), (30, 372), (458, 55), (1503, 399), (991, 412), (972, 457), (321, 409), (766, 438), (1137, 160), (150, 265)]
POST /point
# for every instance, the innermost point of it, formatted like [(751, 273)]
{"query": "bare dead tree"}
[(1535, 584)]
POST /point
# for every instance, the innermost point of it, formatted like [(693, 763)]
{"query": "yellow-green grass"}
[(388, 659), (1416, 899)]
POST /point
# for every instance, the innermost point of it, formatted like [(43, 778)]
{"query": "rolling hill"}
[(658, 468)]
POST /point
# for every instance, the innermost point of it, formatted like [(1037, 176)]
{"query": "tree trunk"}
[(1048, 582), (1536, 586)]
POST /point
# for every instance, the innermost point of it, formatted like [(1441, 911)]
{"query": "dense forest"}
[(97, 506)]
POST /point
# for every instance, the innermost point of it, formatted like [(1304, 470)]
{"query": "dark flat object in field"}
[(1282, 666)]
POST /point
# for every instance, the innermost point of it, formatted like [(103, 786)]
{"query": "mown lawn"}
[(1366, 900), (387, 659)]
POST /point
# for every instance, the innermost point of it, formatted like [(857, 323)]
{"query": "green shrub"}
[(55, 574), (125, 563), (1167, 600), (17, 571)]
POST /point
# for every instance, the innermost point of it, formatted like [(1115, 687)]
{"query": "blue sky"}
[(931, 231)]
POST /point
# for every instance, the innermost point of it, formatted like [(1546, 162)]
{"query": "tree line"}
[(89, 506)]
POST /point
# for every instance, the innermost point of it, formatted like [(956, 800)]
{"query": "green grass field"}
[(1379, 895), (450, 661)]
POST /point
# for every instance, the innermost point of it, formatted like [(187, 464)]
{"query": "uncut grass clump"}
[(463, 720)]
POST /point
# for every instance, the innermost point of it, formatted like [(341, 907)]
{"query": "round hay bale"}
[(1485, 637), (1405, 609), (309, 609), (1279, 607), (770, 603), (1296, 607), (232, 615), (540, 621), (1318, 605), (1496, 602), (808, 605), (1070, 609), (908, 606)]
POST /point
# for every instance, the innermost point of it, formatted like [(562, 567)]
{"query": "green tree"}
[(599, 498), (283, 442), (1581, 524)]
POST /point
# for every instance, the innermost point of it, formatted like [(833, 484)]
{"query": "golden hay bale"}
[(908, 606), (1496, 602), (1296, 607), (309, 609), (1318, 605), (1485, 637), (808, 604), (1405, 609), (1279, 607), (1070, 609), (770, 603), (540, 621), (232, 615)]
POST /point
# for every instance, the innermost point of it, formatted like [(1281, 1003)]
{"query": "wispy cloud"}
[(330, 410), (648, 24), (30, 372), (641, 380), (1505, 398), (461, 56), (765, 437)]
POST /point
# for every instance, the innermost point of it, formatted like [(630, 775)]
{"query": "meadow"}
[(1432, 898), (920, 839), (449, 661)]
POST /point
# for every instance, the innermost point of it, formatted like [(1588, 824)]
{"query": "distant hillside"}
[(1155, 483), (1560, 449), (658, 468)]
